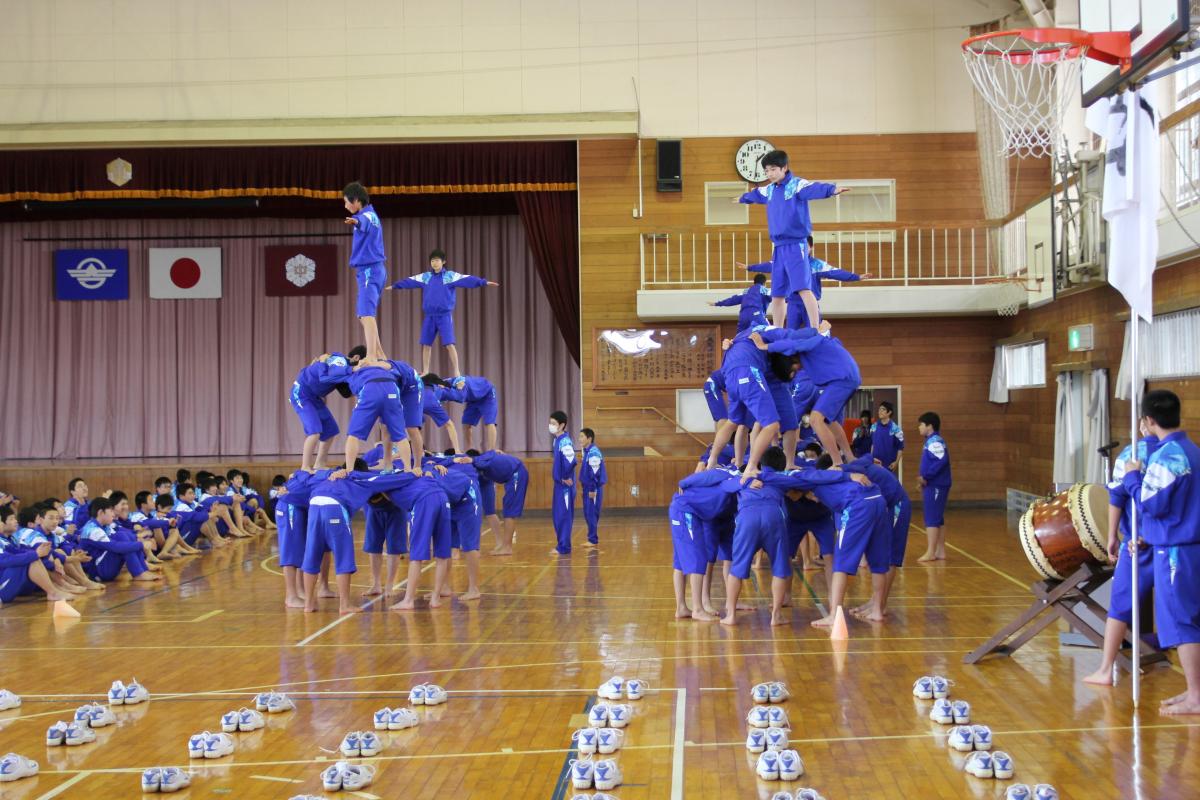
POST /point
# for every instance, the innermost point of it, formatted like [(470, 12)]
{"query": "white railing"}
[(710, 257)]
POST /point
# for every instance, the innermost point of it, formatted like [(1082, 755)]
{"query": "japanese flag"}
[(185, 273)]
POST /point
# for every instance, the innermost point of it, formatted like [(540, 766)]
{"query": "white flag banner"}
[(1129, 124), (185, 273)]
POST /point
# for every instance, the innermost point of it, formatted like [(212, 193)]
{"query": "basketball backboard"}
[(1154, 25)]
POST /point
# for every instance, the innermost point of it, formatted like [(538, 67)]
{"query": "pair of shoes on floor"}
[(759, 740), (14, 767), (361, 743), (597, 796), (121, 694), (273, 702), (395, 719), (165, 779), (771, 692), (210, 745), (8, 700), (801, 794), (767, 717), (1021, 791), (618, 688), (604, 741), (966, 738), (70, 734), (997, 765), (344, 775), (604, 774), (786, 765), (244, 720), (948, 713), (932, 687), (427, 694), (609, 715), (95, 715)]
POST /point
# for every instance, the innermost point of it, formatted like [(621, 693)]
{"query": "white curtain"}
[(1066, 429), (998, 392), (1125, 373), (1098, 432)]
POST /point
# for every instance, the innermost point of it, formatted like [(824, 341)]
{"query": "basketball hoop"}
[(1010, 293), (1026, 75)]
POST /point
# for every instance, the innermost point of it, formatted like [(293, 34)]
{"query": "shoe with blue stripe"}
[(756, 740), (56, 734), (941, 687), (777, 717), (607, 774), (1002, 765), (196, 744), (962, 739), (78, 734), (808, 794), (116, 694), (923, 688), (942, 712), (250, 720), (9, 701), (981, 737), (635, 689), (583, 771), (417, 695), (586, 740), (979, 764), (598, 715), (791, 766), (758, 718), (777, 739), (369, 744), (768, 766), (618, 715), (151, 780), (1019, 791), (761, 693), (350, 745), (229, 721), (777, 692), (382, 716), (612, 689), (403, 718), (1044, 791), (609, 740), (173, 779), (962, 712)]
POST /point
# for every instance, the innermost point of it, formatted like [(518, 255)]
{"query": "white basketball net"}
[(1027, 84)]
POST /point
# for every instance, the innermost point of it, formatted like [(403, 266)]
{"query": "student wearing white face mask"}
[(564, 482)]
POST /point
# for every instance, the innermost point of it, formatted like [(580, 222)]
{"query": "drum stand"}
[(1059, 598)]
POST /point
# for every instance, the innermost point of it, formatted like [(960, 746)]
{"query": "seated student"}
[(218, 507), (252, 505), (377, 400), (1120, 545), (31, 524), (164, 529), (934, 480), (1167, 487), (76, 507), (21, 568), (438, 286), (701, 514), (510, 472), (65, 546), (162, 485), (900, 516), (191, 520), (110, 550), (860, 439), (754, 303), (460, 482), (887, 438), (592, 476), (140, 533), (291, 519), (431, 406), (276, 485), (239, 506), (479, 396), (181, 476), (313, 384)]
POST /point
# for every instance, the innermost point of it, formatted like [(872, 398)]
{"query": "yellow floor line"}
[(209, 615)]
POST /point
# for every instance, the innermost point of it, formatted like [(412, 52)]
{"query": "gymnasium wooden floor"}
[(522, 666)]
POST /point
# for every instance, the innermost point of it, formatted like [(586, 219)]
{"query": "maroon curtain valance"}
[(311, 171)]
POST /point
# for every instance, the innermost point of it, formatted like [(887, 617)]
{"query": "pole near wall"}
[(1135, 400)]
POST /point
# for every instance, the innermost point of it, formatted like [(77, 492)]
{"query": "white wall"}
[(703, 67)]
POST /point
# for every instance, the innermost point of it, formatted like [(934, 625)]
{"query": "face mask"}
[(553, 430)]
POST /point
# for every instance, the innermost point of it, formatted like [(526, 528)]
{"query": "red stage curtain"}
[(551, 225)]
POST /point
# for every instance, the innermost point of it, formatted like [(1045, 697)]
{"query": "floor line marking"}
[(980, 562), (209, 615), (432, 563), (67, 784), (677, 754), (276, 779)]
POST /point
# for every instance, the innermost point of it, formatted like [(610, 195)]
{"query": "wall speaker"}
[(670, 165)]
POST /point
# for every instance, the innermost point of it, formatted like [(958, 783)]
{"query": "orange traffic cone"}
[(64, 609), (838, 631)]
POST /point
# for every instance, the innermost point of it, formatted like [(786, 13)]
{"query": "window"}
[(1174, 349), (1025, 364), (869, 200), (719, 208)]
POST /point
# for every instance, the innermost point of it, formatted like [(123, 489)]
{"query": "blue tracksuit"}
[(431, 405), (751, 399), (378, 400), (461, 485), (75, 513), (828, 364), (15, 559), (753, 302), (509, 471), (935, 469), (291, 515), (478, 395), (110, 551), (437, 300), (724, 458), (1169, 501), (790, 225), (797, 315), (860, 442), (428, 516), (368, 260), (714, 395), (564, 496), (412, 395), (702, 521), (1120, 604), (897, 499), (592, 476), (887, 440)]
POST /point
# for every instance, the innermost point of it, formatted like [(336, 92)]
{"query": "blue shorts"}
[(436, 413), (514, 494), (292, 523), (412, 402), (485, 409), (934, 498), (370, 279), (781, 395), (797, 314), (901, 519), (14, 582), (716, 402), (790, 270), (718, 539), (435, 325), (822, 529), (386, 524), (1177, 594), (760, 526), (1119, 605), (487, 497), (329, 531), (429, 528), (865, 527), (378, 400), (750, 400), (315, 416), (834, 395), (804, 397), (465, 526), (687, 538)]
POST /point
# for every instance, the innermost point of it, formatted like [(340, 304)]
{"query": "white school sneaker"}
[(756, 740), (250, 720), (981, 737), (923, 688), (782, 796), (78, 734), (583, 771), (262, 700), (1002, 765), (136, 693), (609, 740), (218, 745), (586, 740), (350, 745), (1019, 791), (768, 766), (229, 721), (596, 796), (809, 794), (173, 779), (435, 695), (612, 689), (757, 718), (403, 718), (608, 774), (56, 734), (618, 715), (14, 767), (777, 691), (942, 712), (416, 695), (280, 703), (791, 767), (331, 776), (116, 694), (635, 689), (356, 777), (941, 687), (777, 717), (979, 764), (1044, 791), (598, 716), (8, 700), (101, 716), (777, 739), (151, 780), (961, 739), (369, 744), (381, 718), (761, 693), (962, 712), (196, 744)]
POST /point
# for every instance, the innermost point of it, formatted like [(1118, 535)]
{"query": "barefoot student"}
[(935, 485)]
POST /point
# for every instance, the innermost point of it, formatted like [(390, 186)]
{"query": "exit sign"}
[(1080, 338)]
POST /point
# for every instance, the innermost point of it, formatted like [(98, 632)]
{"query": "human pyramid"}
[(781, 393)]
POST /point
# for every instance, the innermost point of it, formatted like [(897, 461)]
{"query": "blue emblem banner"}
[(91, 274)]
